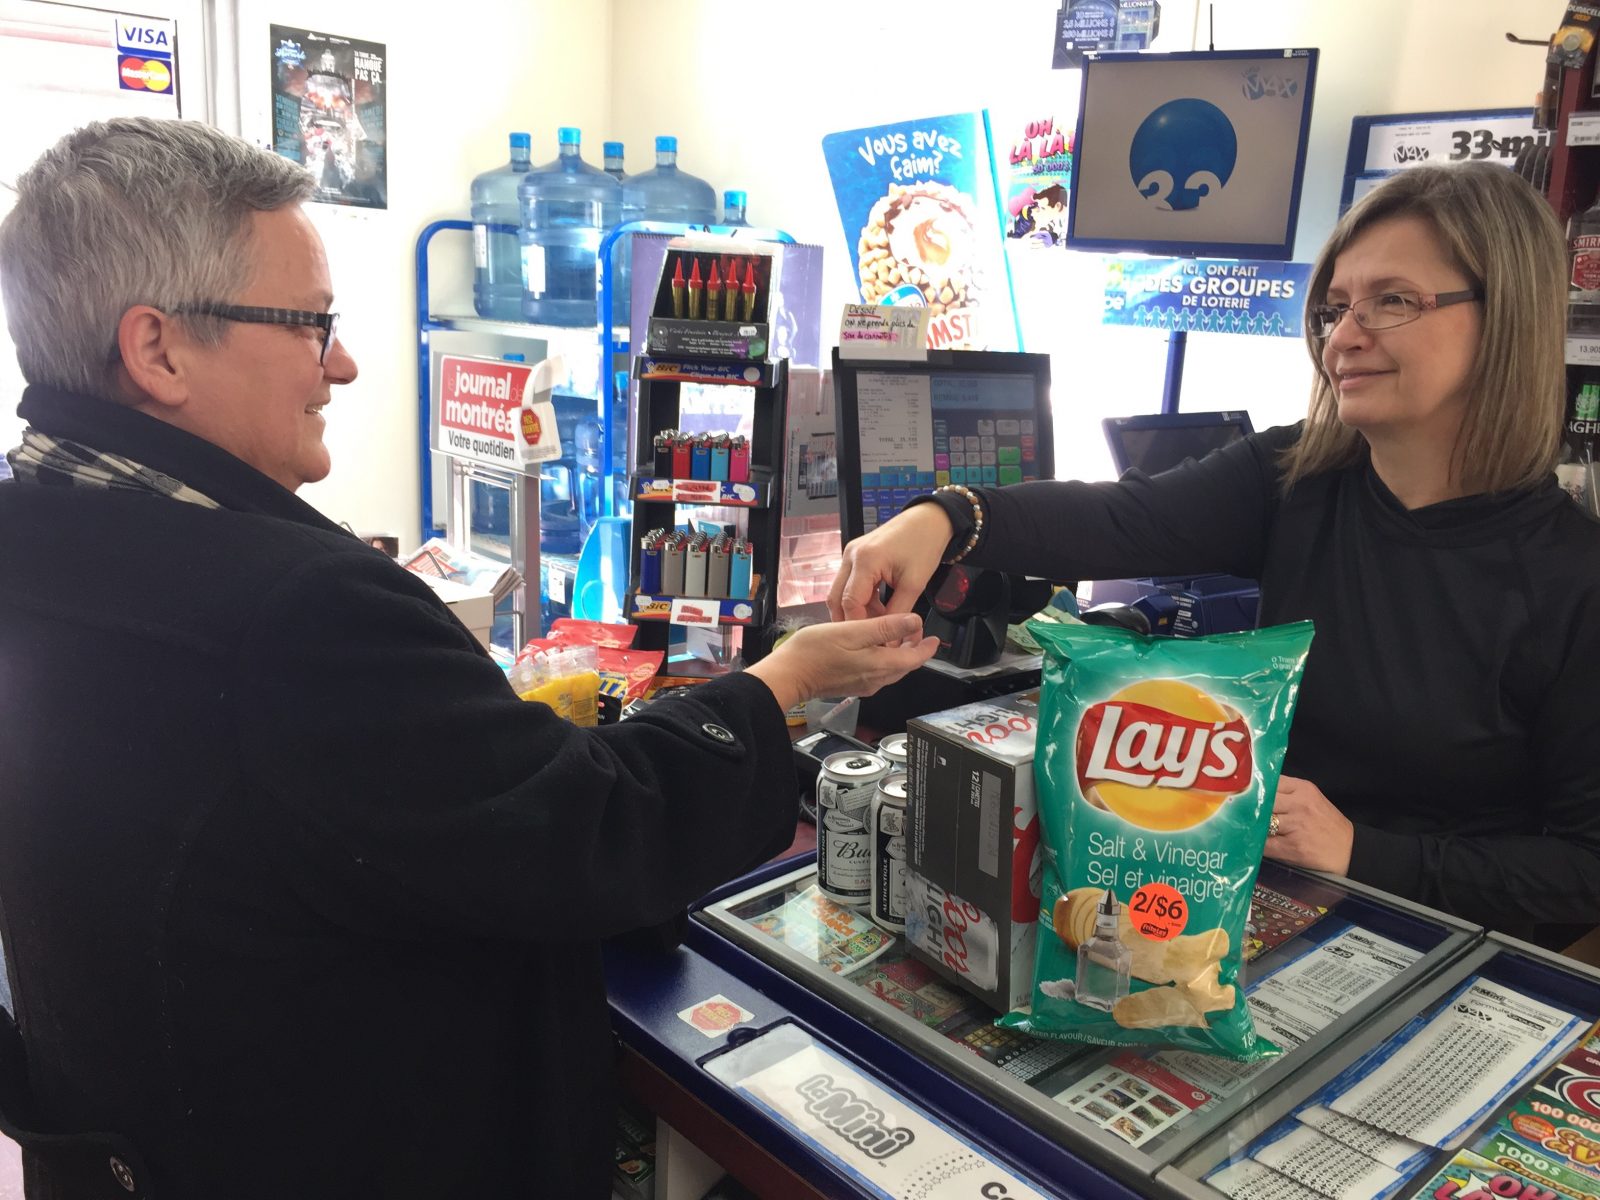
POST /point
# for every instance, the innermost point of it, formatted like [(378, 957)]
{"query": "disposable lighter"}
[(672, 565), (719, 457), (650, 563), (717, 573), (694, 566), (739, 460), (700, 460), (682, 445), (739, 571), (663, 455)]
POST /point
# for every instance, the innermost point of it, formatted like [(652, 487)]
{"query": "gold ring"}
[(1275, 826)]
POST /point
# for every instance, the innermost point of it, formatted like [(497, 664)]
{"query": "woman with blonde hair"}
[(1443, 748)]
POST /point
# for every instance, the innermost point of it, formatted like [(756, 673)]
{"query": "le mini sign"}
[(496, 412)]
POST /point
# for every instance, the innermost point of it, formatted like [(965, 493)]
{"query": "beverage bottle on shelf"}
[(1576, 469), (733, 204), (567, 205), (496, 220), (612, 154), (1583, 272), (663, 193)]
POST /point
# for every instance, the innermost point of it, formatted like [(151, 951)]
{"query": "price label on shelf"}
[(1583, 129), (1583, 351), (686, 610)]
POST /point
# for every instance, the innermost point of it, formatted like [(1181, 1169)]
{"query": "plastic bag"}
[(1157, 764)]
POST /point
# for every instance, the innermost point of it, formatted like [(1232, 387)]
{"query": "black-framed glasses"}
[(328, 323), (1383, 311)]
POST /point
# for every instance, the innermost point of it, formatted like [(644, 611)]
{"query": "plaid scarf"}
[(60, 463)]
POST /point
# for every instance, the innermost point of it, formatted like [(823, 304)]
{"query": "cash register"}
[(1179, 605), (906, 427)]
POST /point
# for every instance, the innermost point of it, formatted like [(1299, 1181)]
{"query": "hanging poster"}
[(1090, 25), (918, 204), (1201, 295), (328, 113), (1033, 162)]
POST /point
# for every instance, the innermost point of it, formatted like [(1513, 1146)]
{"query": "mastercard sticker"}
[(136, 74)]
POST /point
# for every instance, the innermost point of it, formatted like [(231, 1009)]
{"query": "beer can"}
[(888, 826), (848, 780), (893, 748), (844, 857)]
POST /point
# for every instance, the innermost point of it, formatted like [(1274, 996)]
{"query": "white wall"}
[(458, 83), (750, 89), (841, 64)]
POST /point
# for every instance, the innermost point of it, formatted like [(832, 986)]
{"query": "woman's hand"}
[(849, 658), (903, 553), (1311, 832)]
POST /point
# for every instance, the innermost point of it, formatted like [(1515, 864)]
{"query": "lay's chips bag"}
[(1156, 767)]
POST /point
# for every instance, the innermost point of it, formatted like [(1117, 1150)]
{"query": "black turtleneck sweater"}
[(1451, 702)]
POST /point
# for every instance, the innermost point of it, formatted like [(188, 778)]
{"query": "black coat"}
[(1448, 702), (296, 893)]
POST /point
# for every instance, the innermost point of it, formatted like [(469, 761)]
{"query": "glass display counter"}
[(1331, 967)]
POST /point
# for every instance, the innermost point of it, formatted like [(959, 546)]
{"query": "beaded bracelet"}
[(971, 498)]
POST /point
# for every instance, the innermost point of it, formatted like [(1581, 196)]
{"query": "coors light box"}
[(973, 846)]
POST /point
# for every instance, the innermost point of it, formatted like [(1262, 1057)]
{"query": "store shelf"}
[(649, 489), (705, 610), (687, 369), (575, 336)]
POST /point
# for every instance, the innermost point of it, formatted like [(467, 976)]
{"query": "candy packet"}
[(1156, 767)]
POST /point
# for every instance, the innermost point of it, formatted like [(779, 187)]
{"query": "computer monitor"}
[(1194, 154), (962, 416), (1157, 442)]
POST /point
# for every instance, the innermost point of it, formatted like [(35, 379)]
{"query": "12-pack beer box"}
[(973, 846)]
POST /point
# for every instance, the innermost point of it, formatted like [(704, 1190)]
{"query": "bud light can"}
[(888, 826)]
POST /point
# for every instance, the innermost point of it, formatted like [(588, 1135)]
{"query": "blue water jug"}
[(733, 208), (612, 153), (496, 223), (663, 194), (668, 194), (566, 206)]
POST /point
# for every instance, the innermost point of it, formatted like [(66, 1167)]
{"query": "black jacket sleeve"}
[(1511, 882), (430, 801), (1210, 515)]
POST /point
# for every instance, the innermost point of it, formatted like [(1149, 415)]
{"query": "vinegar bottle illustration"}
[(1103, 959)]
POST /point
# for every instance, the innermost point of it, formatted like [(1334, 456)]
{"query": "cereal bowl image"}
[(921, 236), (1162, 754)]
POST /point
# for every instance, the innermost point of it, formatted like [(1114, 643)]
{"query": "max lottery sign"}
[(496, 412)]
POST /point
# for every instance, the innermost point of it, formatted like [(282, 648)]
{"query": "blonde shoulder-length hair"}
[(1505, 238)]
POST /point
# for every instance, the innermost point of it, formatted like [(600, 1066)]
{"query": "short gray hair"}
[(126, 212)]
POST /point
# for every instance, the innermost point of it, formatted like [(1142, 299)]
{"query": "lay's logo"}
[(1163, 755)]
